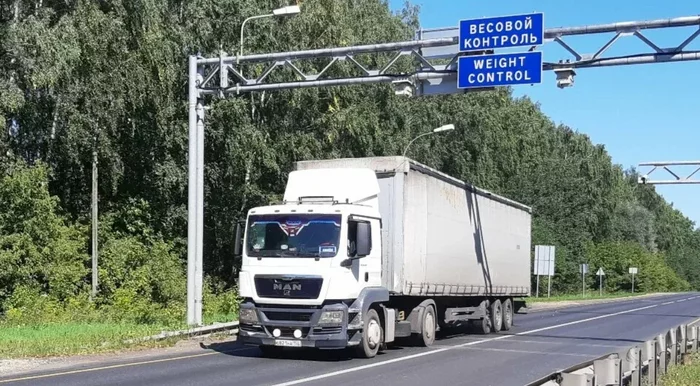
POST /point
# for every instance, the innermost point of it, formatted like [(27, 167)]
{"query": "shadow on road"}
[(239, 350)]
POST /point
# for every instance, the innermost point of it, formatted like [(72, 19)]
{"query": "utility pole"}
[(584, 270), (93, 293)]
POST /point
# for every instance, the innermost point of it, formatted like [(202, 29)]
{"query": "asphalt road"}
[(539, 343)]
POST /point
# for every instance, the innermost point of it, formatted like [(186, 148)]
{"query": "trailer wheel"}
[(496, 315), (427, 335), (484, 325), (372, 335), (507, 314)]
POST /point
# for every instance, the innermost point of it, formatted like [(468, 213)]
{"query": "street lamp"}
[(284, 11), (436, 130)]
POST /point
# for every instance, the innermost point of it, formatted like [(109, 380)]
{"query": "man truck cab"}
[(307, 262)]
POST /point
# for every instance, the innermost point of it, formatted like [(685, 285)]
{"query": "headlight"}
[(331, 317), (247, 315)]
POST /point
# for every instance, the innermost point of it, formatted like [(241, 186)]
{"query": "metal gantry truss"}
[(625, 29), (434, 71), (666, 166), (435, 53)]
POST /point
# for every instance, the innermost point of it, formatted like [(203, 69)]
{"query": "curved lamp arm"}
[(414, 140), (437, 130), (284, 11)]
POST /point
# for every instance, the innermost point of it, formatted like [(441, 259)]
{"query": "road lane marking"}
[(526, 351), (437, 351), (558, 342), (121, 365)]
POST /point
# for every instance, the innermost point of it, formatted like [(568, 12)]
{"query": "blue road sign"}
[(499, 70), (501, 32)]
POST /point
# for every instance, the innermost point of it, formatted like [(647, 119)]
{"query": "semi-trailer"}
[(363, 251)]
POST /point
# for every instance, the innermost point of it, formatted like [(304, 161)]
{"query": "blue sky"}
[(640, 112)]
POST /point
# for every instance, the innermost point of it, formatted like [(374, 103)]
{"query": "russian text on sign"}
[(501, 32)]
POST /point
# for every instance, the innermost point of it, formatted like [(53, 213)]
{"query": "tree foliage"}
[(81, 76)]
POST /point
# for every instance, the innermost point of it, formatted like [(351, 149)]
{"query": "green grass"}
[(686, 375), (589, 296), (76, 338), (70, 339), (220, 318)]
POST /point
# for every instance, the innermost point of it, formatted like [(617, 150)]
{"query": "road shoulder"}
[(185, 347), (556, 305)]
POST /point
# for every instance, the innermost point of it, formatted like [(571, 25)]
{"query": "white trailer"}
[(392, 249)]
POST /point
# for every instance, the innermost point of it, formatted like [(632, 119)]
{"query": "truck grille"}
[(288, 287), (288, 316)]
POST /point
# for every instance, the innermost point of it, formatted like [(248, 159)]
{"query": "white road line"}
[(558, 342), (526, 351), (433, 352)]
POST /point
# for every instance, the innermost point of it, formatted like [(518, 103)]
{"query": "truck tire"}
[(496, 315), (427, 335), (507, 314), (484, 325), (372, 335)]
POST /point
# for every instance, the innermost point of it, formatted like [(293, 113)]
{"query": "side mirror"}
[(238, 245), (364, 239)]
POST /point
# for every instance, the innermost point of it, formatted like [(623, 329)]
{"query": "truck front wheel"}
[(372, 335), (427, 335)]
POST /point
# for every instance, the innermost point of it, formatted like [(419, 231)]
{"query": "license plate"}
[(287, 343)]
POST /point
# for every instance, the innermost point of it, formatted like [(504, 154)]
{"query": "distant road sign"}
[(600, 272), (544, 260), (501, 32), (633, 270), (583, 268), (499, 70)]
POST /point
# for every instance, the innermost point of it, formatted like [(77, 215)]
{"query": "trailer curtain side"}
[(443, 237)]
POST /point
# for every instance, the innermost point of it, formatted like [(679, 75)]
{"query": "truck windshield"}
[(293, 235)]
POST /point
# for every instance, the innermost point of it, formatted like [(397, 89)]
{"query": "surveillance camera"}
[(643, 179), (565, 77), (404, 87)]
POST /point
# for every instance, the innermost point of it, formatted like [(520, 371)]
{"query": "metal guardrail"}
[(646, 361), (196, 331)]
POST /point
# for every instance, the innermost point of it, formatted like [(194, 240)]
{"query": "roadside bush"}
[(616, 257), (39, 251), (220, 304)]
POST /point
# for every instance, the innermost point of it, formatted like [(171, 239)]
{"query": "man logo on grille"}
[(287, 288)]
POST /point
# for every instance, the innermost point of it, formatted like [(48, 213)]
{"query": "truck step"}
[(402, 329)]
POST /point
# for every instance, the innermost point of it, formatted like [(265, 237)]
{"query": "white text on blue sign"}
[(501, 32), (499, 70)]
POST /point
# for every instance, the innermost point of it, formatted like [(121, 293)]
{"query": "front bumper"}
[(287, 320)]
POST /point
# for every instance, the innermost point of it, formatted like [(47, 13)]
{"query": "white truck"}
[(366, 250)]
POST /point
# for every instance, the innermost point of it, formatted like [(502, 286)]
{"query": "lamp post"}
[(436, 130), (284, 11)]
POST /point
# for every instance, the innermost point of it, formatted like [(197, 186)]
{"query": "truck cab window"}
[(352, 238)]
